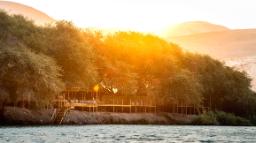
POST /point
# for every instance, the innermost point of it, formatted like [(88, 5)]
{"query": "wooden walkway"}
[(113, 108), (109, 102), (59, 115), (139, 108)]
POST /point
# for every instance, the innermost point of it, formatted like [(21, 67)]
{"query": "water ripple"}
[(126, 133)]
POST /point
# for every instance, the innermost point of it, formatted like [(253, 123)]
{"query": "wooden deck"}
[(109, 102), (117, 103), (113, 108)]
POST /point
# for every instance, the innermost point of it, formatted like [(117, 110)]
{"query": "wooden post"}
[(113, 108), (130, 106), (135, 107), (155, 107), (181, 109), (113, 104), (194, 109), (68, 96), (177, 108), (186, 109), (122, 105)]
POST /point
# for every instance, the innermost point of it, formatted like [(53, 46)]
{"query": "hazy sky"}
[(148, 15)]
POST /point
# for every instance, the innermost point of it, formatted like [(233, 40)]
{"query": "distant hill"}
[(221, 45), (30, 13), (247, 64), (237, 48), (193, 27)]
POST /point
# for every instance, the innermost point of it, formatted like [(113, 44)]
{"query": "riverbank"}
[(23, 116)]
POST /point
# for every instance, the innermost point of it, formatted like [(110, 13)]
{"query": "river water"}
[(126, 133)]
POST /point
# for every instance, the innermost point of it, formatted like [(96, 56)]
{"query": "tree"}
[(185, 88), (24, 73), (66, 44)]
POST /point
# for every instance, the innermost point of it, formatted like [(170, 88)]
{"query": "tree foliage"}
[(39, 61), (25, 74)]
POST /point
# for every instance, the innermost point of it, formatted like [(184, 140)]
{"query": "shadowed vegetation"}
[(220, 118)]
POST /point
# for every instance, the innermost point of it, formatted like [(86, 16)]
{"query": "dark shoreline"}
[(14, 116), (22, 117)]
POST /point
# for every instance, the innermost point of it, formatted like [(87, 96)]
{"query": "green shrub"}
[(253, 119), (230, 119), (220, 118), (205, 119)]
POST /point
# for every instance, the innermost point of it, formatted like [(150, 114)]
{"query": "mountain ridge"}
[(39, 17), (193, 27)]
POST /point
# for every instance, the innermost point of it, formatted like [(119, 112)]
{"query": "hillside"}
[(238, 45), (247, 64), (30, 13), (221, 45), (193, 27)]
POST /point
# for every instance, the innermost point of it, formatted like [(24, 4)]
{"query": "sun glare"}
[(152, 16), (121, 16), (142, 16)]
